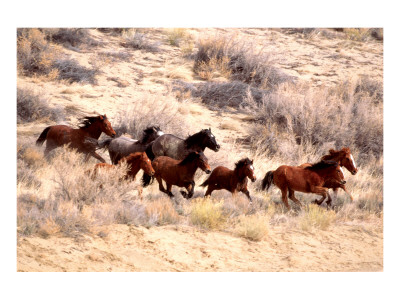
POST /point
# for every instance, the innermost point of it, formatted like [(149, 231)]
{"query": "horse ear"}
[(101, 117), (252, 161)]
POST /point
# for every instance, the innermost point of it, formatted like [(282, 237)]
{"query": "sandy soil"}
[(183, 248)]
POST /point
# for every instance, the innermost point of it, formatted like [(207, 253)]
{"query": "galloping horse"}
[(179, 173), (345, 159), (90, 127), (122, 146), (135, 162), (310, 179), (232, 180), (177, 148)]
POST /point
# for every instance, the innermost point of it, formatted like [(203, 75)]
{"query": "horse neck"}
[(93, 131), (240, 175), (190, 168)]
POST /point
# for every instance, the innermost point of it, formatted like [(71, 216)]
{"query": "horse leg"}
[(284, 192), (95, 155), (320, 191), (210, 189), (293, 197), (161, 186), (169, 188), (190, 188), (247, 193), (343, 187)]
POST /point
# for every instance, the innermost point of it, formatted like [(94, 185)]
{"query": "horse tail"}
[(104, 144), (149, 151), (42, 137), (147, 179), (268, 179), (205, 183)]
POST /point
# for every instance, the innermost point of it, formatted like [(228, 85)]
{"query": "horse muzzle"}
[(253, 179), (207, 171), (217, 148), (354, 172), (343, 182)]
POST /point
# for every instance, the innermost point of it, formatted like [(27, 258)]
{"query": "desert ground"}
[(131, 84)]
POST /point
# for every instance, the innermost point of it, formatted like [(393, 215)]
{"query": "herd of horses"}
[(168, 158)]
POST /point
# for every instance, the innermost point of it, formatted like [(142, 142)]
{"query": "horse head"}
[(210, 141), (347, 161), (247, 166), (150, 134), (105, 126), (145, 164)]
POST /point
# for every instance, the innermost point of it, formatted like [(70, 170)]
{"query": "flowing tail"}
[(205, 183), (42, 137), (268, 180), (104, 143)]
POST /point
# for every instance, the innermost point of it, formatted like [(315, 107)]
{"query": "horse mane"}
[(195, 139), (147, 132), (242, 162), (131, 158), (189, 158), (323, 164), (86, 122), (334, 154)]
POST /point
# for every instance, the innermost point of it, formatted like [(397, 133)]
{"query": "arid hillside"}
[(276, 96)]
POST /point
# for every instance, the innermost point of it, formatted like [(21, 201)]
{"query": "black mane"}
[(86, 122), (242, 162), (190, 157), (323, 164), (147, 134), (196, 139)]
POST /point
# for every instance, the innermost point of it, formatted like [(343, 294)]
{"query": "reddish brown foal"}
[(179, 173), (90, 127), (345, 159), (232, 180), (310, 179), (135, 162)]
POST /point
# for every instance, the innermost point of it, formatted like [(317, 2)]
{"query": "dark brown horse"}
[(135, 162), (89, 128), (232, 180), (179, 173), (310, 179), (345, 159)]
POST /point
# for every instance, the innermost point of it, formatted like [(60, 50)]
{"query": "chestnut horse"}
[(179, 173), (135, 162), (310, 179), (345, 159), (232, 180), (89, 128)]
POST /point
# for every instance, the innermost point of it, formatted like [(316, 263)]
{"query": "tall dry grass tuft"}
[(252, 227), (313, 216), (138, 40), (207, 214)]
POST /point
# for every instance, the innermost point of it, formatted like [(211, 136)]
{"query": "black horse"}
[(122, 146), (177, 148)]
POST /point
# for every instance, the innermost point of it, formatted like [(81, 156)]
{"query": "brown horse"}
[(89, 128), (179, 173), (135, 162), (309, 179), (232, 180), (345, 159)]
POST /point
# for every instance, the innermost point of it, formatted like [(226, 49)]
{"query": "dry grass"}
[(314, 216), (32, 106), (252, 227), (207, 214)]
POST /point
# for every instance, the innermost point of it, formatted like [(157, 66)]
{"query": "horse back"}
[(169, 145), (296, 178), (222, 176)]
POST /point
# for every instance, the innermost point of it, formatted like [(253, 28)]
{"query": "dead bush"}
[(32, 106), (70, 37), (140, 41), (72, 71)]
